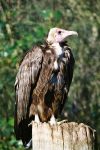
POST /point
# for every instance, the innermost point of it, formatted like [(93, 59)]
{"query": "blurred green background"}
[(25, 22)]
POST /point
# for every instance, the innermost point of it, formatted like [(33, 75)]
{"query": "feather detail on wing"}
[(25, 82), (66, 74)]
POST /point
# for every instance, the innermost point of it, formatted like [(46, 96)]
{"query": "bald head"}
[(59, 35)]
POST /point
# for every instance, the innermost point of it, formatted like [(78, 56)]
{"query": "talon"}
[(37, 120), (52, 120), (61, 122)]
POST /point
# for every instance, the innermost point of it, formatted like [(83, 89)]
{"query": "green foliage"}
[(23, 23), (7, 139)]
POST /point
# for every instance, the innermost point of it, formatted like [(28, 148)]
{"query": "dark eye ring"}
[(59, 32)]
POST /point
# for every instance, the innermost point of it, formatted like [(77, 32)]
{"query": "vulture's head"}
[(59, 35)]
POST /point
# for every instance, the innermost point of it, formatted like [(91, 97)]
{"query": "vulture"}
[(42, 83)]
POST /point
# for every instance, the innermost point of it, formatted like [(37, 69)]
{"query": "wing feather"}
[(25, 80)]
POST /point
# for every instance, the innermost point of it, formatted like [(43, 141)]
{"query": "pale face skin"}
[(57, 35)]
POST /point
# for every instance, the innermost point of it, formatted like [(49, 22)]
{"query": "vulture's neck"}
[(57, 49)]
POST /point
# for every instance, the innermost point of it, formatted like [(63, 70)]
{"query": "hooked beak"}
[(68, 33)]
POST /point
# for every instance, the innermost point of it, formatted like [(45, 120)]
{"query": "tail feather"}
[(23, 132)]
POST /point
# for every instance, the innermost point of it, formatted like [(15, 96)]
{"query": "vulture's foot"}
[(37, 120), (61, 122), (52, 120)]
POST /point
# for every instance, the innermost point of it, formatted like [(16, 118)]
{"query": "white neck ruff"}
[(58, 49)]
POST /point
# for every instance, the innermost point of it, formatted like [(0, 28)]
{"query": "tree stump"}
[(66, 136)]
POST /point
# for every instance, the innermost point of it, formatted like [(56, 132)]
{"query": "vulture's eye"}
[(59, 32)]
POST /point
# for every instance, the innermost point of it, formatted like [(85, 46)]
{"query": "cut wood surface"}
[(66, 136)]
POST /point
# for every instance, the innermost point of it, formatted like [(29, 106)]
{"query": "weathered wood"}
[(67, 136)]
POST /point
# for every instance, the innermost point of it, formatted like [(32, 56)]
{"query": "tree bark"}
[(66, 136)]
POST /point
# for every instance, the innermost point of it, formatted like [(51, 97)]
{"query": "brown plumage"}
[(40, 88)]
